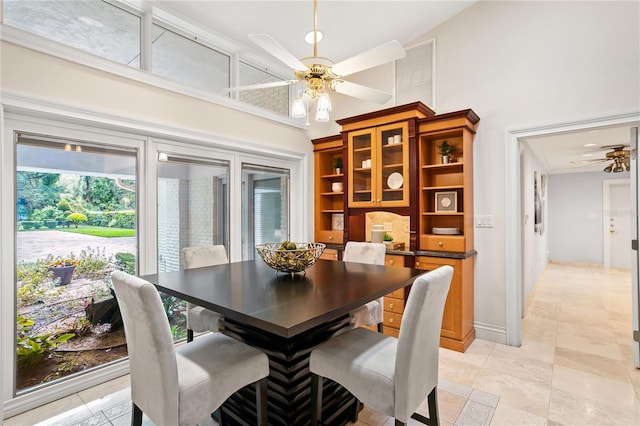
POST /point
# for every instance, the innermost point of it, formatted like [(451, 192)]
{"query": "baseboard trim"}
[(490, 332)]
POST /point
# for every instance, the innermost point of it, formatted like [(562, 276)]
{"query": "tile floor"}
[(574, 367)]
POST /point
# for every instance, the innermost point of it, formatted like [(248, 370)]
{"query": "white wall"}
[(518, 65), (534, 241), (575, 216)]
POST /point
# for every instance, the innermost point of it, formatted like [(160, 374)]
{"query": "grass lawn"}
[(98, 231)]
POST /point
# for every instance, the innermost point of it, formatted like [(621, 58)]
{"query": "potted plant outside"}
[(446, 151), (62, 269), (337, 165)]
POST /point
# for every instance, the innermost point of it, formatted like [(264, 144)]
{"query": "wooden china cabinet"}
[(329, 200), (446, 217), (392, 163)]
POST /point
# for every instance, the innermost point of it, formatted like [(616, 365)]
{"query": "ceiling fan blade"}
[(362, 92), (260, 86), (273, 47), (595, 160), (382, 54)]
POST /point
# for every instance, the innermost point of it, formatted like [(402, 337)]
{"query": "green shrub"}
[(93, 263), (126, 262), (31, 347), (116, 219), (27, 224), (47, 212), (76, 218), (37, 224), (34, 282), (50, 223), (63, 205)]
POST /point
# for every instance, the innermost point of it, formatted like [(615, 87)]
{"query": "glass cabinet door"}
[(361, 168), (393, 165)]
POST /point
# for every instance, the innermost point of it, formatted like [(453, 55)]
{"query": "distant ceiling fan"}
[(619, 157), (320, 74)]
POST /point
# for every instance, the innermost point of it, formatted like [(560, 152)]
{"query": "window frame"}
[(154, 15)]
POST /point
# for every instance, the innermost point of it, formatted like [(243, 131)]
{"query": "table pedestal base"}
[(289, 382)]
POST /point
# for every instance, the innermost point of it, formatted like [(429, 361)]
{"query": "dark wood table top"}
[(252, 293)]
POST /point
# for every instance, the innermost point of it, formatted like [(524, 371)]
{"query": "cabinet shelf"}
[(368, 149), (393, 190), (362, 191), (457, 164), (362, 169), (393, 146), (332, 211), (442, 213), (439, 188), (329, 194), (332, 177), (393, 166)]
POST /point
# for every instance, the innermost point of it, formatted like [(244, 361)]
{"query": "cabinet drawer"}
[(329, 254), (398, 294), (330, 237), (442, 242), (393, 305), (394, 260), (390, 331), (392, 319)]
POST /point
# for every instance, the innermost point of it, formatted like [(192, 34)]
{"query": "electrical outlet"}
[(484, 221)]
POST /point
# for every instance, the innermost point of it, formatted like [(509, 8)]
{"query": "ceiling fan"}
[(619, 157), (319, 74)]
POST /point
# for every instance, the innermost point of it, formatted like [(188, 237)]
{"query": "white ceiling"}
[(349, 27), (570, 152)]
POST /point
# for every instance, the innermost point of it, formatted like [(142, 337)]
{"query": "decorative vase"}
[(338, 170), (445, 159), (65, 273)]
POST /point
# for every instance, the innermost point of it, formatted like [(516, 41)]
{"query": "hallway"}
[(574, 367)]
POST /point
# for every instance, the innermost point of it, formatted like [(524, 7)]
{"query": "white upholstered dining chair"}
[(392, 376), (183, 385), (371, 253), (200, 319)]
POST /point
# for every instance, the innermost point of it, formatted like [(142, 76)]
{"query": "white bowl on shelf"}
[(446, 231)]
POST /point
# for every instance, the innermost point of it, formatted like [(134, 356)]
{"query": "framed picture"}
[(337, 222), (446, 201)]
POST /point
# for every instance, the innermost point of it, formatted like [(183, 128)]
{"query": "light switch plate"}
[(484, 221)]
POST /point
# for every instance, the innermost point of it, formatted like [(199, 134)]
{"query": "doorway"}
[(617, 223), (514, 212)]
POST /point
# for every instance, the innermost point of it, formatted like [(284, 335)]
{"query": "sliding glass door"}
[(76, 205), (265, 207), (193, 210)]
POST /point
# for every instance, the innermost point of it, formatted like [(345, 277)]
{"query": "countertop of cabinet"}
[(447, 254)]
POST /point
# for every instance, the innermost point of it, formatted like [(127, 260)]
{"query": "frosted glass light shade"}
[(298, 110)]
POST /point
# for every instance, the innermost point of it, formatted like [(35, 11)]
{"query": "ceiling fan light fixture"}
[(298, 109), (308, 37), (322, 116), (609, 168), (324, 102)]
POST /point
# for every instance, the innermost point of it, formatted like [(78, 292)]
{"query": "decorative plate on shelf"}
[(446, 231), (395, 180)]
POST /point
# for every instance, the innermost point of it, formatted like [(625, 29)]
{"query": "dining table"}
[(285, 316)]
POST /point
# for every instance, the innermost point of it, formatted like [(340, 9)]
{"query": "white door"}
[(617, 223)]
